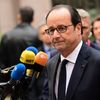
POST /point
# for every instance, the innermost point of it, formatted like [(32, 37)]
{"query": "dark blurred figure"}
[(46, 46), (30, 89), (96, 33), (21, 36)]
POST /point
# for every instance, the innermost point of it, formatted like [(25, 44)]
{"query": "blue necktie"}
[(62, 81)]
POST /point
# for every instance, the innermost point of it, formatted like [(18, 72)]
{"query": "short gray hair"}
[(83, 13)]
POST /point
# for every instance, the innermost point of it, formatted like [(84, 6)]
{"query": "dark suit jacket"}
[(85, 79), (95, 45)]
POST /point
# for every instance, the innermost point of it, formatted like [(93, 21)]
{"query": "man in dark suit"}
[(15, 41), (82, 71)]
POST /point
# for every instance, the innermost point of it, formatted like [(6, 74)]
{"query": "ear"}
[(78, 28)]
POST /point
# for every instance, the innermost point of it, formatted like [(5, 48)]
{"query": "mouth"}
[(58, 42)]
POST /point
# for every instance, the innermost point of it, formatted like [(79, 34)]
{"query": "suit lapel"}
[(54, 67), (77, 72)]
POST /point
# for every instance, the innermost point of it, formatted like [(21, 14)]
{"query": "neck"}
[(69, 50)]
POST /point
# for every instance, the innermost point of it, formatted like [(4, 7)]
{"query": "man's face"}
[(43, 36), (57, 21), (96, 29), (86, 25)]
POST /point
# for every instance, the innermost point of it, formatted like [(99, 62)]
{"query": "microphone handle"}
[(6, 70), (3, 84), (8, 87), (7, 90), (31, 72), (36, 74)]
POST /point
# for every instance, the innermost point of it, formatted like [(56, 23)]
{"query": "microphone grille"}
[(27, 57), (18, 71), (33, 49), (41, 58)]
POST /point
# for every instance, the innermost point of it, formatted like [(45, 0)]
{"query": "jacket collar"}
[(78, 70)]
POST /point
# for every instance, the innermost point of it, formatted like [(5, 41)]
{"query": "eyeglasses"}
[(59, 28), (84, 27)]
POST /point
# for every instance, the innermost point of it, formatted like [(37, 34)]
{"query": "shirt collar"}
[(73, 56), (46, 47)]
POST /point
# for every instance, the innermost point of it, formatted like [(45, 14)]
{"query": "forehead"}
[(59, 16), (86, 21), (43, 27), (96, 23)]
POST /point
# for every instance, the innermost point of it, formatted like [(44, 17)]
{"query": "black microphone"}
[(16, 75)]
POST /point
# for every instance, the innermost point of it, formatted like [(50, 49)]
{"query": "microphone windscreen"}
[(18, 71), (41, 58), (33, 49), (27, 57)]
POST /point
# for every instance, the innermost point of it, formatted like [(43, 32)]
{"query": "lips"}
[(58, 42)]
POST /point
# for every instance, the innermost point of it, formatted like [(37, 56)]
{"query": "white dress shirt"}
[(69, 66)]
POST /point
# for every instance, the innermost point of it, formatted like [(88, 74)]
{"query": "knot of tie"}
[(64, 62)]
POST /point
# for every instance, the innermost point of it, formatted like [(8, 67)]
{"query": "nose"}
[(56, 33)]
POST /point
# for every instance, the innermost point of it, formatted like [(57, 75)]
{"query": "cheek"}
[(51, 38), (48, 37)]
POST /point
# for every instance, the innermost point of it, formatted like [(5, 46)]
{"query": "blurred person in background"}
[(86, 25), (12, 45), (96, 32), (18, 39), (47, 45), (21, 36)]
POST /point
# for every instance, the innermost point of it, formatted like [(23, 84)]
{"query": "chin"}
[(60, 48)]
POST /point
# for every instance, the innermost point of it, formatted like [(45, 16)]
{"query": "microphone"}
[(28, 58), (9, 69), (40, 63), (33, 49), (34, 66), (16, 75), (34, 63), (18, 71)]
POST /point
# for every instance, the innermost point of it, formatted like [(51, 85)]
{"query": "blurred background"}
[(92, 6), (9, 10)]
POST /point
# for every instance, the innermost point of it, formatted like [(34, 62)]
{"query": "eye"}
[(61, 28), (51, 29), (47, 31)]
